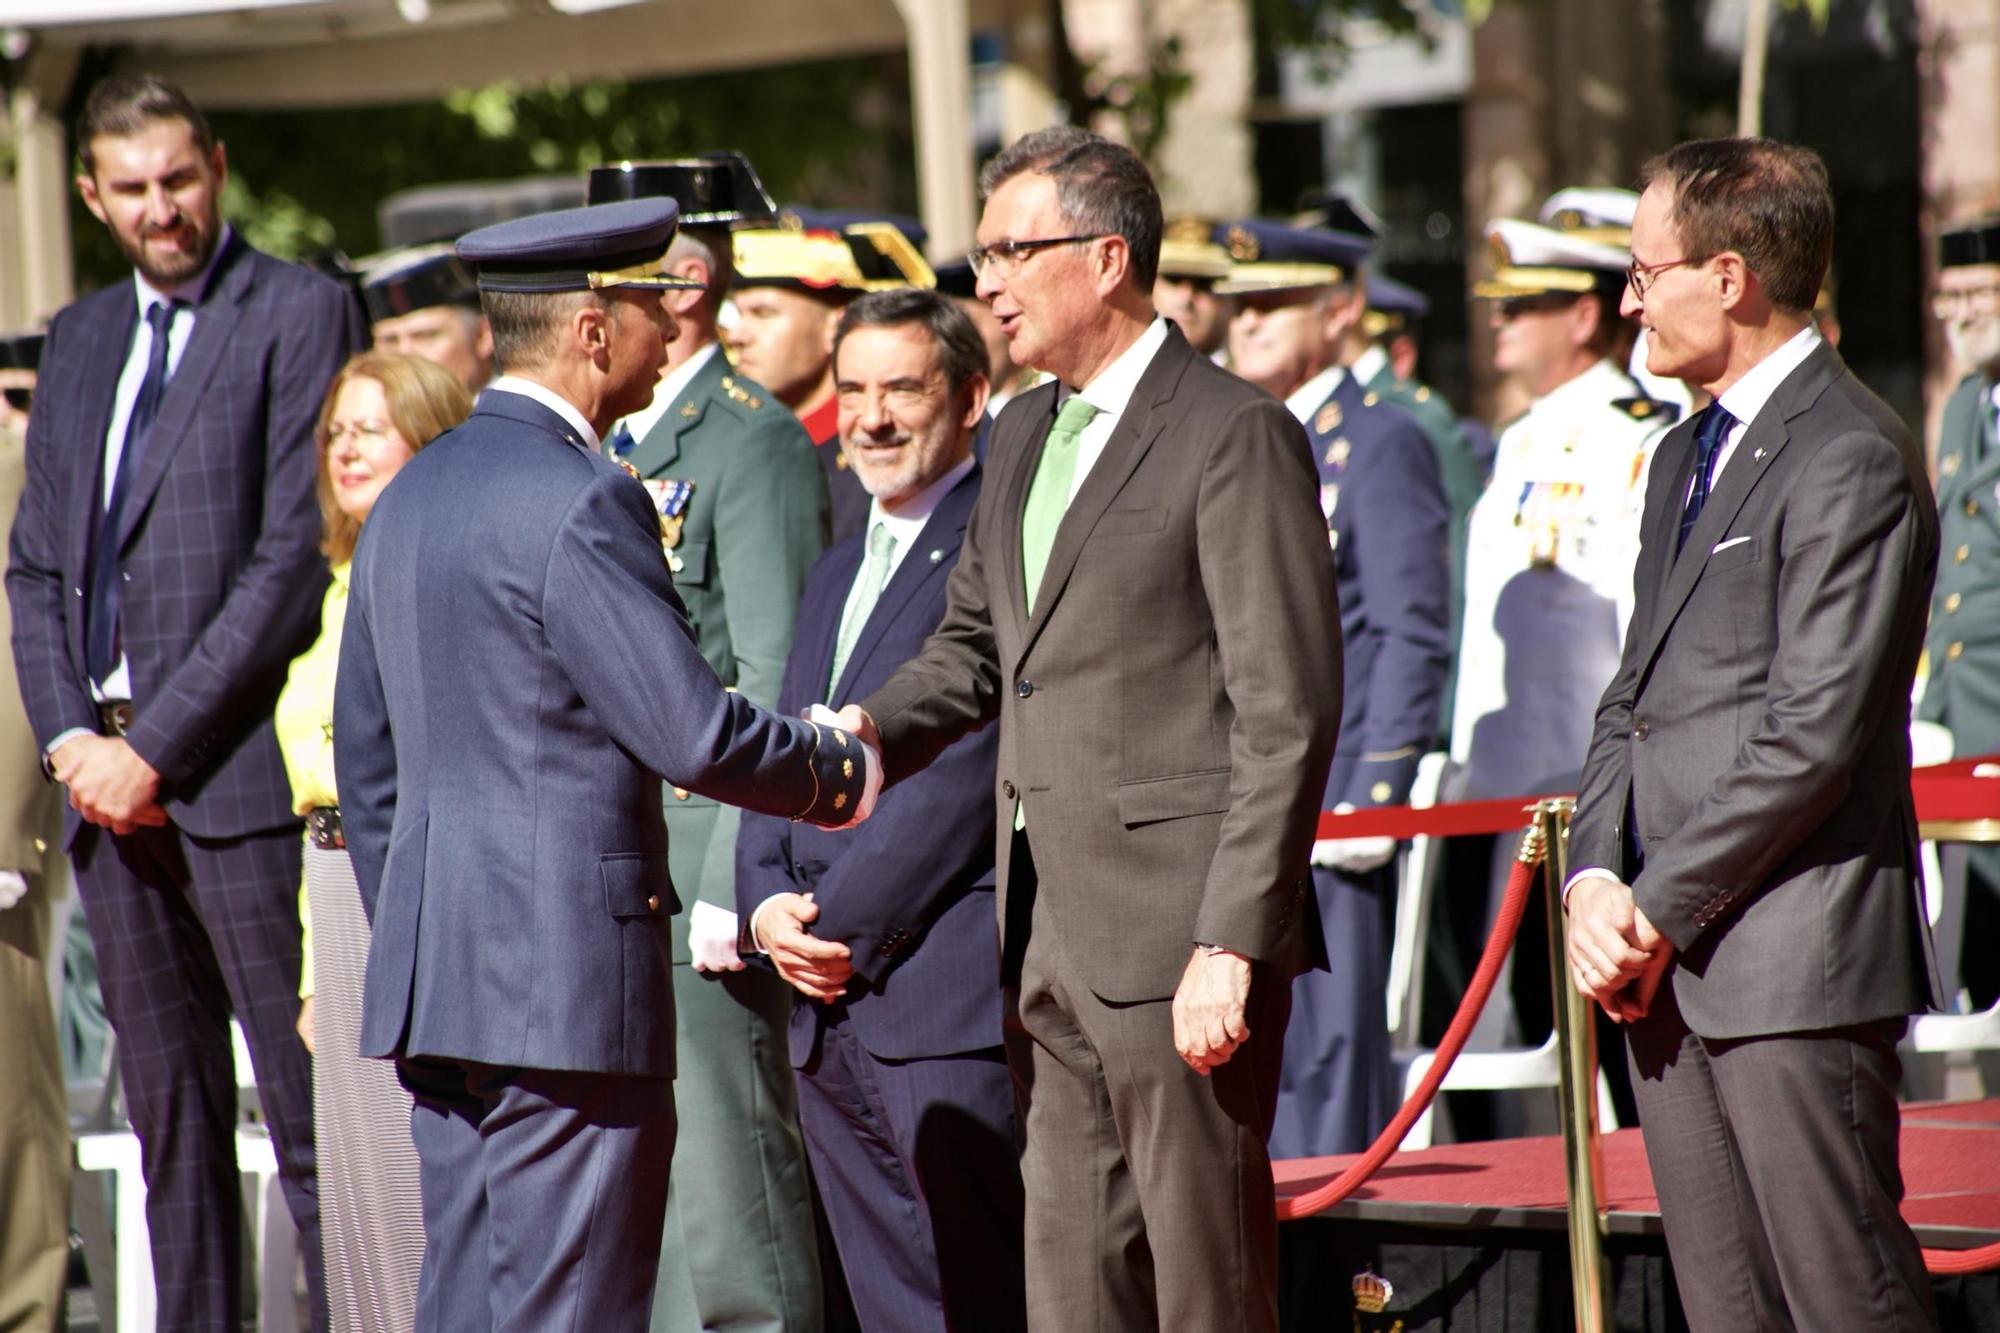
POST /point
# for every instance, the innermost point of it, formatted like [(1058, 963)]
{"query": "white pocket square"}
[(1720, 547)]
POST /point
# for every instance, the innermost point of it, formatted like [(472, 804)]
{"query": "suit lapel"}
[(215, 318), (110, 346), (1138, 426), (1755, 452), (1039, 408), (939, 541)]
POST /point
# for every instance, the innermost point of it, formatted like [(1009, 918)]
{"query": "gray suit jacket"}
[(1168, 712), (516, 675), (1756, 734)]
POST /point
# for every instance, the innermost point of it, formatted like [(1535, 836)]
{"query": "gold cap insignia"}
[(1496, 250), (1372, 1292), (1242, 243), (1192, 230)]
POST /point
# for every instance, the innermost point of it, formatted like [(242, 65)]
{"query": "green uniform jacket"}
[(1460, 473), (753, 527), (1963, 642)]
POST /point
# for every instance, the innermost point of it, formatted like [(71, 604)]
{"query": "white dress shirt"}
[(1110, 393), (907, 524), (550, 399), (1370, 363), (1309, 397)]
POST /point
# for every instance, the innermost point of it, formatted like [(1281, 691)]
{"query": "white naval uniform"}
[(1548, 582)]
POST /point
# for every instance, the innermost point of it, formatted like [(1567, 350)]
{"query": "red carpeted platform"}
[(1951, 1179)]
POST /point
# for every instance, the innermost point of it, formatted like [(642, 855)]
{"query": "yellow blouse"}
[(305, 728)]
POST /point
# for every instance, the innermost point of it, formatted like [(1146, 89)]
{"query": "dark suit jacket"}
[(500, 735), (1389, 524), (1168, 711), (911, 891), (220, 534), (753, 526), (1757, 729)]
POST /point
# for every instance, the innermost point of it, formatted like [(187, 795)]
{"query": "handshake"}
[(712, 930)]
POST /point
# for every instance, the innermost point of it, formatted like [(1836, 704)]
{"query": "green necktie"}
[(1048, 496), (874, 573), (1048, 500)]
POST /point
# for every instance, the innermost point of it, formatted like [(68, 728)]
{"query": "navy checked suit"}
[(1389, 522), (222, 576), (904, 1095), (500, 739)]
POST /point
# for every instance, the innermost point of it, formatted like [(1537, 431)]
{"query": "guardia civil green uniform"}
[(743, 503)]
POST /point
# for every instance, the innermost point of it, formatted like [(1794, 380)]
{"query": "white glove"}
[(1353, 855), (13, 888), (871, 760), (1930, 744), (712, 938)]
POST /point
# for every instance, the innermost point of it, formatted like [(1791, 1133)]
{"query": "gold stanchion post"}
[(1576, 1045)]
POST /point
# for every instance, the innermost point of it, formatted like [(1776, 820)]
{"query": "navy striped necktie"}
[(101, 640), (1708, 438)]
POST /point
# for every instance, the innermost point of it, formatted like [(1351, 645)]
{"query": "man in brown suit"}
[(1145, 599)]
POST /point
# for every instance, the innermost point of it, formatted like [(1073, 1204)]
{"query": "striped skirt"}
[(371, 1212)]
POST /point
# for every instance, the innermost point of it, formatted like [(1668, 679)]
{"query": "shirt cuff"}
[(62, 739), (750, 943), (1584, 873)]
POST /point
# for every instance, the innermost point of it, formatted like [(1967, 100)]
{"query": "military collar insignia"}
[(1328, 418)]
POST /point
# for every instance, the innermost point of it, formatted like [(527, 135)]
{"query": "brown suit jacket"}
[(1168, 712), (30, 805)]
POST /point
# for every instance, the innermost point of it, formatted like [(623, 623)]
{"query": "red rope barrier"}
[(1957, 1263), (1497, 944)]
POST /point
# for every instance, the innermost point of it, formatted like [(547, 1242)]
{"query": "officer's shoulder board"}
[(1651, 411), (739, 395)]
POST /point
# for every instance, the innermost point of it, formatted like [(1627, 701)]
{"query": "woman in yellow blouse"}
[(381, 409)]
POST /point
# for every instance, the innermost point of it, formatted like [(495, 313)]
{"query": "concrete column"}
[(941, 93), (1958, 69), (1564, 92), (40, 268)]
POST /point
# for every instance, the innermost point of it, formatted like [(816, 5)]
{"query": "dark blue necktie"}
[(1708, 438), (101, 646)]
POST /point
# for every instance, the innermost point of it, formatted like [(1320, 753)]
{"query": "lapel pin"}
[(936, 556), (1758, 456)]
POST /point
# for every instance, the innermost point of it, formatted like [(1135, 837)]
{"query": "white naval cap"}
[(1532, 260), (1600, 213)]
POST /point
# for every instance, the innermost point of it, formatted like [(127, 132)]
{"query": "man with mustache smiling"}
[(164, 571)]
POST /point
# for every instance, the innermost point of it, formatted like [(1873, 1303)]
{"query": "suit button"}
[(1958, 557), (1024, 689), (1951, 654), (653, 903), (680, 793), (1971, 508), (1007, 790), (1951, 604), (1641, 730)]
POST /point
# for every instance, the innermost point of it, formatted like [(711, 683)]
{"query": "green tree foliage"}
[(304, 182)]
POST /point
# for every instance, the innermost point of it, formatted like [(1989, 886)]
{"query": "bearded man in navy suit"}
[(889, 934), (165, 570)]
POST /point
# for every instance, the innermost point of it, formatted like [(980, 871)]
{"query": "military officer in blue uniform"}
[(793, 279), (422, 302), (517, 676), (1962, 694), (743, 512), (1298, 300)]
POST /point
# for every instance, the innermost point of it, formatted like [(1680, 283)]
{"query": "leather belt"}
[(323, 828), (115, 716)]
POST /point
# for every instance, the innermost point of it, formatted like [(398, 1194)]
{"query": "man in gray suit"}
[(500, 737), (1749, 900), (1145, 600)]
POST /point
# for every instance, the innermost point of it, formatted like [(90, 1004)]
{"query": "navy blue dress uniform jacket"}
[(1389, 523), (220, 542), (516, 676), (911, 891)]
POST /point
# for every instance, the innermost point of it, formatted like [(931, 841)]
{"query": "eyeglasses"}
[(1639, 277), (361, 430), (1007, 256), (1973, 301)]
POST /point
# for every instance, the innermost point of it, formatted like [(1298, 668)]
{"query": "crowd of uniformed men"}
[(814, 450)]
